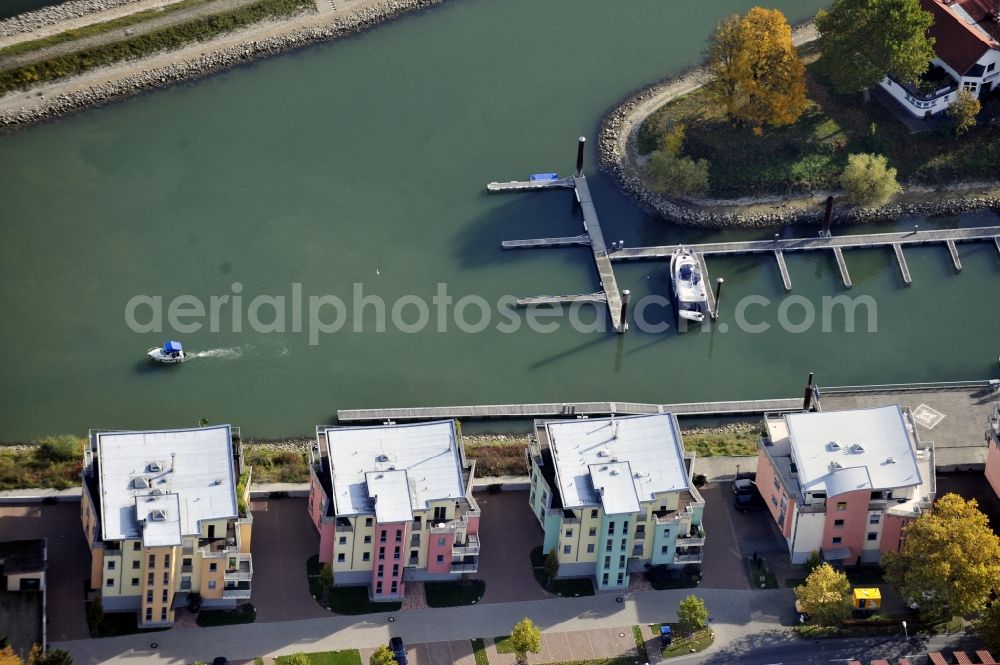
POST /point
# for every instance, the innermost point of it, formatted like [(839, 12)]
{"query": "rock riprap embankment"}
[(53, 14)]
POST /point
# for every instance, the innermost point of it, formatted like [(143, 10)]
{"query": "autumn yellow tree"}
[(950, 560), (9, 657), (756, 73), (826, 595)]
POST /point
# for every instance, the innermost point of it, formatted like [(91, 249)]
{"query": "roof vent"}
[(140, 483), (157, 492), (614, 472), (836, 465), (890, 460), (154, 467), (640, 474), (217, 481), (833, 445), (157, 516), (382, 458), (857, 448), (604, 452)]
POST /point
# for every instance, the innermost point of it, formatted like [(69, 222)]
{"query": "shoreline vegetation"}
[(56, 462), (628, 133)]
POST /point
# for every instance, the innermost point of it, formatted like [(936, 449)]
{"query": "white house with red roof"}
[(967, 43)]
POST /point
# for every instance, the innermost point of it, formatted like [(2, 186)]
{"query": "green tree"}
[(326, 580), (382, 656), (825, 596), (963, 112), (950, 560), (988, 626), (756, 73), (95, 614), (813, 562), (677, 176), (525, 638), (551, 566), (692, 614), (869, 180), (863, 40), (60, 448)]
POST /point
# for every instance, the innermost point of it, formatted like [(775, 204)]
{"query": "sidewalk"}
[(733, 615)]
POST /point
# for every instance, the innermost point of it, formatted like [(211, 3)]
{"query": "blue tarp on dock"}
[(536, 177)]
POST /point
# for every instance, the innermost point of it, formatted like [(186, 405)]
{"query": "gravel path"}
[(151, 25)]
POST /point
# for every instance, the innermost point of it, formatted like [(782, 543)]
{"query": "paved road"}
[(789, 650)]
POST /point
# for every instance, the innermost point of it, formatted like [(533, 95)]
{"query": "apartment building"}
[(165, 513), (844, 483), (392, 504), (993, 449), (614, 495)]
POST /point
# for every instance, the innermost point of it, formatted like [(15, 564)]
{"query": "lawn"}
[(346, 657), (738, 440), (503, 644), (757, 571), (245, 613), (344, 599), (276, 466), (583, 586), (682, 646), (479, 651), (452, 594), (811, 153)]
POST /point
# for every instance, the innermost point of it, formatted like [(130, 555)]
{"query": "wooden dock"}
[(901, 260), (842, 266), (592, 225), (786, 279), (530, 301), (707, 280), (541, 243), (568, 410), (954, 255)]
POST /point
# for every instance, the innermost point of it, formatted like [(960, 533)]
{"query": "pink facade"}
[(846, 522), (993, 465), (387, 573), (892, 533), (473, 521), (770, 488), (439, 552), (326, 529)]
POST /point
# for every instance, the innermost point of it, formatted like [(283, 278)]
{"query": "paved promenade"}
[(734, 615)]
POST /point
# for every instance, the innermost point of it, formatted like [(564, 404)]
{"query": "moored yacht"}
[(690, 297)]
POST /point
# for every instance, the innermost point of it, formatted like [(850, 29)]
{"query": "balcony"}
[(239, 569), (691, 541), (469, 548), (343, 525), (464, 567), (687, 558), (238, 590)]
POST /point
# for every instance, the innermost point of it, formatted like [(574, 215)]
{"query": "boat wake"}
[(226, 353)]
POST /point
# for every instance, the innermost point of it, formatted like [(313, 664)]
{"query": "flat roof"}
[(428, 453), (22, 556), (842, 451), (159, 485), (616, 462)]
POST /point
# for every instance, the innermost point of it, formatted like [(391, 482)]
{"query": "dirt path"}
[(36, 97), (86, 19), (151, 25)]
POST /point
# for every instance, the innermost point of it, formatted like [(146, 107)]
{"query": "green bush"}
[(677, 176), (60, 449), (869, 180)]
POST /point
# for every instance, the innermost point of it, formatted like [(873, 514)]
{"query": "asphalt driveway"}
[(508, 532)]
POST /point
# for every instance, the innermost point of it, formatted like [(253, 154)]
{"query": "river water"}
[(364, 162)]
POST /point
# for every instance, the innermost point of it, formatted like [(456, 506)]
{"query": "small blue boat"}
[(543, 177), (172, 352)]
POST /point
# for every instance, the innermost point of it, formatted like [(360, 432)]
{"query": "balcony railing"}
[(469, 548), (242, 571), (691, 541), (687, 558), (239, 590), (465, 567)]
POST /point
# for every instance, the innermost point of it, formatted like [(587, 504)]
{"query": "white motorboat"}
[(170, 352), (690, 297)]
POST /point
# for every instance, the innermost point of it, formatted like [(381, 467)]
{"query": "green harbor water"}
[(364, 162)]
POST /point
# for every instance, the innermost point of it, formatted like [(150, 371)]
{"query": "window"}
[(381, 536), (593, 514), (186, 562), (774, 502), (569, 533), (211, 584), (874, 518), (381, 554), (777, 485), (212, 567), (381, 570), (149, 614), (163, 614), (342, 541), (872, 536), (611, 527), (990, 67), (609, 546), (399, 536), (621, 561), (164, 597), (368, 521), (152, 561), (110, 582), (395, 552), (590, 548), (395, 570), (149, 596), (640, 530), (111, 564), (604, 580), (664, 548), (416, 523), (135, 581), (340, 557), (841, 505), (136, 546), (567, 549), (624, 543), (394, 587), (367, 556), (166, 578), (136, 564), (838, 523), (166, 560), (625, 527), (593, 532), (378, 588), (971, 86), (440, 558), (368, 540), (440, 542), (837, 540), (621, 579), (149, 580), (607, 562)]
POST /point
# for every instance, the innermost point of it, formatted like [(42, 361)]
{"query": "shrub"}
[(869, 180), (677, 176), (673, 140), (700, 480), (59, 449), (963, 112)]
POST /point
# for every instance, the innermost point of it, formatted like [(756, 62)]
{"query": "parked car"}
[(749, 503), (398, 650), (744, 486)]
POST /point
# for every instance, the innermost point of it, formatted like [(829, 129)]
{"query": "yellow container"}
[(866, 599)]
